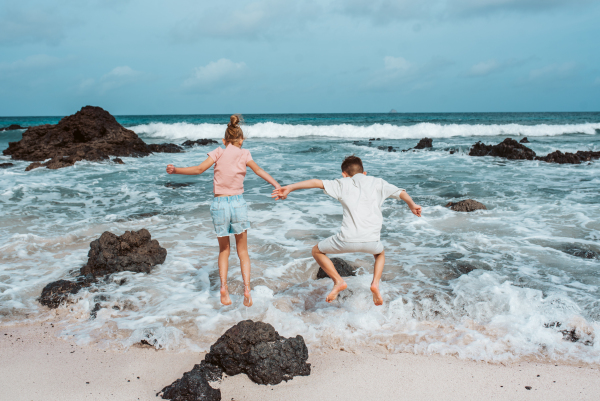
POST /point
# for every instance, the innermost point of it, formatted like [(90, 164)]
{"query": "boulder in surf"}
[(467, 205)]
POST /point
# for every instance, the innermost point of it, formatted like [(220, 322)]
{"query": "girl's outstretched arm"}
[(205, 165), (282, 193), (262, 173)]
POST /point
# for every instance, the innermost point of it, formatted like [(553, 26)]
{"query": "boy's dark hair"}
[(352, 165)]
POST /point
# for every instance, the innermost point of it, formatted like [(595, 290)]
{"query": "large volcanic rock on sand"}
[(509, 149), (133, 251), (253, 348), (90, 134)]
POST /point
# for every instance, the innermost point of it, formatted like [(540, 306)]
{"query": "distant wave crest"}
[(388, 131)]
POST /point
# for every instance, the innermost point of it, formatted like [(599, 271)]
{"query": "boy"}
[(361, 197)]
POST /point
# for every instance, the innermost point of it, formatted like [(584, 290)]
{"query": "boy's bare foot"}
[(225, 300), (247, 297), (377, 299), (337, 288)]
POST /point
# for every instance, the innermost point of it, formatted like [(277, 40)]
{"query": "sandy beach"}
[(39, 366)]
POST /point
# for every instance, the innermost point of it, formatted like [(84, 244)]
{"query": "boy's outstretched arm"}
[(262, 174), (282, 193), (205, 165), (416, 209)]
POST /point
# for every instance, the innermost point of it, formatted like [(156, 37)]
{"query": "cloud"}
[(493, 66), (223, 72), (243, 20), (397, 71), (35, 62), (385, 11), (115, 78), (553, 72), (32, 25)]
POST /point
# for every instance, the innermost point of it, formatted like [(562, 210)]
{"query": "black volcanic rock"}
[(424, 143), (569, 158), (194, 385), (509, 149), (256, 349), (57, 292), (253, 348), (12, 127), (90, 134), (387, 148), (118, 160), (524, 140), (133, 251), (199, 142), (165, 148), (6, 165), (178, 184), (467, 205), (343, 268)]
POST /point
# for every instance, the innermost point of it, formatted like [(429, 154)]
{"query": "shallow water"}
[(482, 285)]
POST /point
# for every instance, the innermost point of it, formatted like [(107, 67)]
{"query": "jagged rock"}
[(509, 148), (524, 140), (467, 205), (256, 349), (343, 268), (12, 127), (56, 292), (90, 134), (118, 160), (165, 148), (569, 158), (194, 385), (133, 251), (199, 142), (178, 184), (374, 139), (6, 165), (388, 148), (424, 143), (582, 252)]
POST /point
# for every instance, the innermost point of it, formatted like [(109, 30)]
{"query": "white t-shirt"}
[(362, 197)]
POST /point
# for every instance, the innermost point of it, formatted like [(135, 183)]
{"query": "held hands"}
[(170, 168), (281, 193)]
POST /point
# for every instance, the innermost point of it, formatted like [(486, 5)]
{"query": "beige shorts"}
[(335, 245)]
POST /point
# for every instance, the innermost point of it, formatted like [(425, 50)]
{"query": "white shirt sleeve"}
[(333, 188), (391, 191)]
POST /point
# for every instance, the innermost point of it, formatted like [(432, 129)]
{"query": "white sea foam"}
[(388, 131)]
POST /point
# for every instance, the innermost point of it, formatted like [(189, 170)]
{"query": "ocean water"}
[(491, 285)]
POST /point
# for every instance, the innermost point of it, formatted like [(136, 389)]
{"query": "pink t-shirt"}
[(230, 169)]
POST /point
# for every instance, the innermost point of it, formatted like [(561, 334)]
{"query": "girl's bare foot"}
[(225, 300), (377, 299), (247, 297), (337, 288)]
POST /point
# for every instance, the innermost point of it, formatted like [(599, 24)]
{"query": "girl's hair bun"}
[(234, 133)]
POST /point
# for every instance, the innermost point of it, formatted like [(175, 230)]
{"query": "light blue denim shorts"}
[(229, 215)]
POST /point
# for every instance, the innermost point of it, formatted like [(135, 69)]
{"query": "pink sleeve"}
[(215, 154), (248, 156)]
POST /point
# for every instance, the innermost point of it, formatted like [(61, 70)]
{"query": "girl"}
[(229, 210)]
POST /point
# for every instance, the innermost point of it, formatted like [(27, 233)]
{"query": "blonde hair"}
[(234, 133)]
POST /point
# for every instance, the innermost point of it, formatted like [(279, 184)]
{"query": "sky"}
[(281, 56)]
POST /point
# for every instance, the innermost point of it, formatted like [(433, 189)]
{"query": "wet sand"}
[(36, 365)]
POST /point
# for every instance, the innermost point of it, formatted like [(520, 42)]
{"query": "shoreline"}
[(37, 365)]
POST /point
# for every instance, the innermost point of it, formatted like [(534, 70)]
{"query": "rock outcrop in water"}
[(569, 158), (200, 142), (343, 268), (467, 205), (165, 148), (12, 127), (524, 140), (424, 143), (90, 134), (509, 149), (133, 251), (6, 165), (253, 348)]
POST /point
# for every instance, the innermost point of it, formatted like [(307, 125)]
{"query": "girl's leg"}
[(241, 244), (223, 268), (377, 271)]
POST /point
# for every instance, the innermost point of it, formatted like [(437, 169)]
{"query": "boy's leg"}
[(241, 243), (377, 271), (326, 264), (223, 268)]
